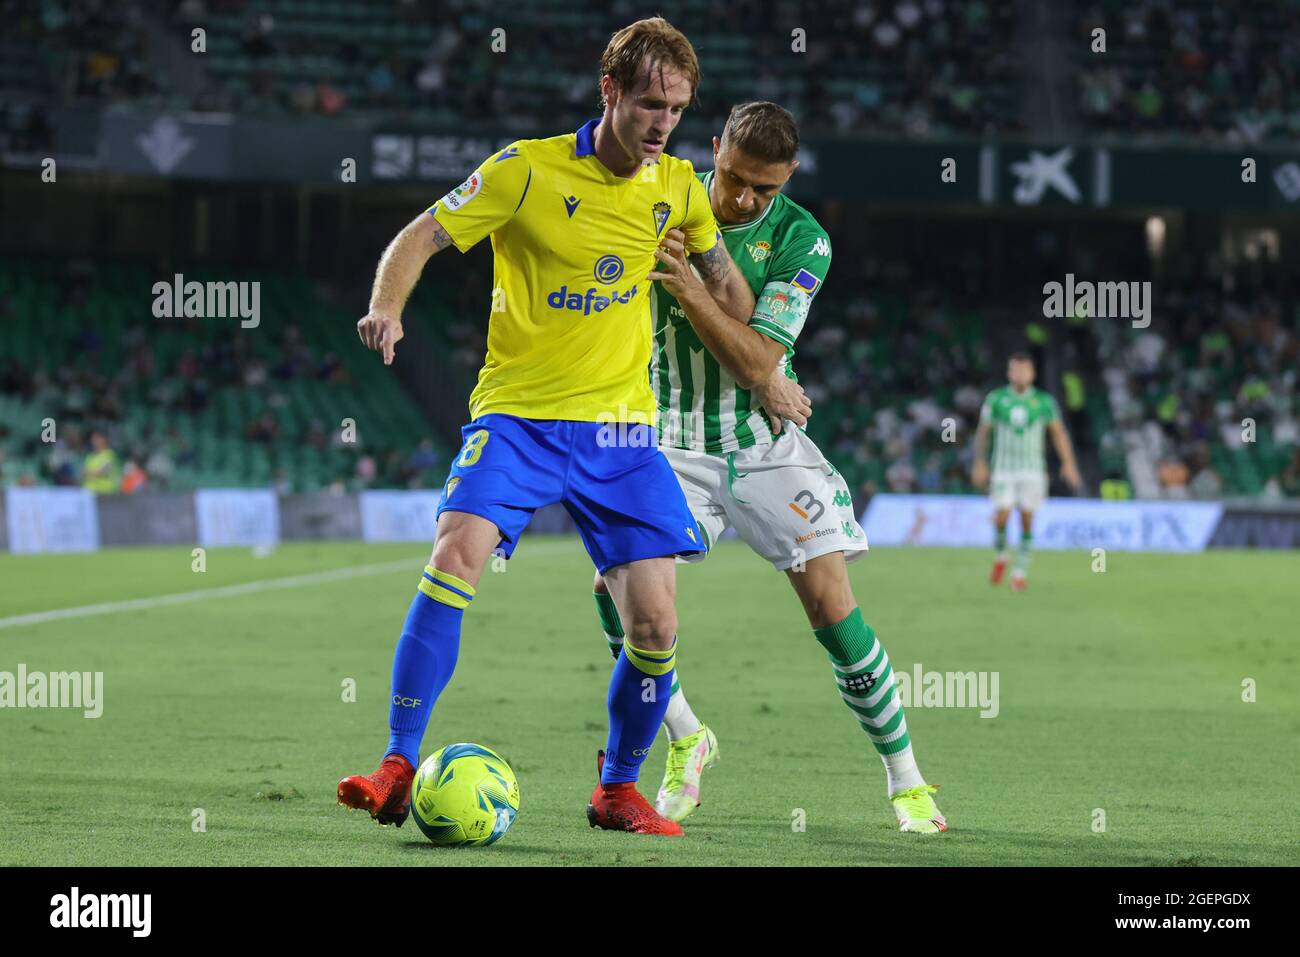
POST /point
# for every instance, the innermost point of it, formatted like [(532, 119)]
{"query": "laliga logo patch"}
[(609, 269), (463, 193)]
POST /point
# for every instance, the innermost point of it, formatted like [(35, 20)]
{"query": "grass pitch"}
[(1119, 691)]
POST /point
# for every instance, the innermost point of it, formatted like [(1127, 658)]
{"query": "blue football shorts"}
[(610, 477)]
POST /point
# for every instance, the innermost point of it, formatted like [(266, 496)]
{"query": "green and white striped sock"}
[(610, 622), (1022, 553), (866, 683)]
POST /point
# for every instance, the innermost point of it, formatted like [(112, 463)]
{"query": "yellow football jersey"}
[(569, 332)]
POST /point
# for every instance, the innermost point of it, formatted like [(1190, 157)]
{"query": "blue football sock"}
[(425, 658), (639, 690)]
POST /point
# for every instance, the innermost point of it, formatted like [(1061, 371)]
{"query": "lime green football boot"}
[(679, 795), (916, 811)]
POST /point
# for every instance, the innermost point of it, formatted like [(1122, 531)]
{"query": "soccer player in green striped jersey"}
[(730, 414), (1017, 415)]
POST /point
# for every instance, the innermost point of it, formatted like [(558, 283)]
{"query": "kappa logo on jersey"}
[(661, 212), (759, 250), (465, 192), (842, 499), (571, 205), (820, 248), (805, 280)]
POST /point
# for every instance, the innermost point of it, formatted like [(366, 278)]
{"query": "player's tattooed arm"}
[(743, 351), (399, 270), (440, 238), (725, 283)]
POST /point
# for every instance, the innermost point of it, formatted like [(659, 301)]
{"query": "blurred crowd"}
[(1195, 68), (918, 67), (896, 359), (1201, 69), (1213, 389), (159, 421)]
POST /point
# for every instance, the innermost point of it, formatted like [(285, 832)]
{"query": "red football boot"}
[(1018, 582), (620, 807), (386, 794), (999, 569)]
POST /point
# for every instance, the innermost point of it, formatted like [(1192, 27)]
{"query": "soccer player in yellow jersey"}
[(563, 410)]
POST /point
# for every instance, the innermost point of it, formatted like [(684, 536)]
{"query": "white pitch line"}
[(224, 591), (270, 584)]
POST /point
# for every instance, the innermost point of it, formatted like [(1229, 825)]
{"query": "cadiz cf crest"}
[(661, 211), (759, 250)]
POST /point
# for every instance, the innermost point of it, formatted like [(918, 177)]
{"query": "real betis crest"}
[(759, 250), (661, 211)]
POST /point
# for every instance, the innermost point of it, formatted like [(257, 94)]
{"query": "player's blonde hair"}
[(655, 37), (762, 130)]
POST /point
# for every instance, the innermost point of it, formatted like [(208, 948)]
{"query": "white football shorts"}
[(1022, 490), (784, 500)]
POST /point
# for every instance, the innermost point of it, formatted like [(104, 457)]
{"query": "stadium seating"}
[(1203, 70), (1188, 387), (185, 398), (909, 66)]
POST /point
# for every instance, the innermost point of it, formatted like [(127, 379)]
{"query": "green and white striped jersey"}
[(1019, 420), (784, 256)]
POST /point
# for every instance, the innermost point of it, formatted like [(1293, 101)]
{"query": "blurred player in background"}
[(575, 222), (771, 483), (1018, 414)]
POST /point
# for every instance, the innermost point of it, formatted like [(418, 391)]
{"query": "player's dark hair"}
[(762, 130), (655, 37), (1022, 357)]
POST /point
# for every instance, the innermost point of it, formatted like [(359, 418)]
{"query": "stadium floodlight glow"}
[(1156, 229)]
